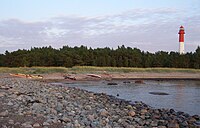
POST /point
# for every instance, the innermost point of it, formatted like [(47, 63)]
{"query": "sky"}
[(150, 25)]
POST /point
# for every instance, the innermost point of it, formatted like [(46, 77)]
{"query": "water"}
[(183, 95)]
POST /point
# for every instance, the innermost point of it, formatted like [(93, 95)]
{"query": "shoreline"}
[(158, 79), (114, 76), (128, 76), (28, 103)]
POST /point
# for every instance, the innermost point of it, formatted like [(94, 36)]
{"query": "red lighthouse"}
[(181, 40)]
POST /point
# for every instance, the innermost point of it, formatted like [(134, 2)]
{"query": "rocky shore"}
[(32, 104)]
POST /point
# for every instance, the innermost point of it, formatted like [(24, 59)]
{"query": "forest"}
[(84, 56)]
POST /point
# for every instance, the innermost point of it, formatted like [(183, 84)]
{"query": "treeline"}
[(83, 56)]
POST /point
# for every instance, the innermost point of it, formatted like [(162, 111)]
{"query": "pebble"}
[(129, 107), (88, 107), (46, 123), (76, 123), (131, 113), (36, 125), (11, 121), (5, 113), (173, 124), (10, 103), (154, 123), (27, 125), (91, 117), (66, 119), (143, 111), (2, 94), (103, 112), (191, 120)]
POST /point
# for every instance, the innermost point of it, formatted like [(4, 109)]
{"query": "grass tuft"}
[(92, 69)]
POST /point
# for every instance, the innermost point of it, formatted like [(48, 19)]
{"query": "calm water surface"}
[(183, 95)]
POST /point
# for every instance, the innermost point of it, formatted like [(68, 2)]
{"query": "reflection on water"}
[(183, 95)]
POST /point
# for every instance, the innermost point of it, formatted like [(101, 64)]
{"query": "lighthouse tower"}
[(181, 40)]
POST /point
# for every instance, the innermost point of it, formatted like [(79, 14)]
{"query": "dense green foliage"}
[(83, 56)]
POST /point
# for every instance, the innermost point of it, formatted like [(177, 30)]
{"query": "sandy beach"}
[(122, 76)]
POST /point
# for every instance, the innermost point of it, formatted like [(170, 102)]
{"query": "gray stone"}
[(66, 119), (144, 111), (129, 107), (173, 124), (55, 121), (2, 94), (54, 111), (137, 119), (103, 112), (11, 121), (45, 123), (36, 125), (5, 113), (91, 117), (59, 107), (120, 121), (10, 103), (191, 120), (88, 107), (154, 123), (76, 123), (184, 124), (27, 124)]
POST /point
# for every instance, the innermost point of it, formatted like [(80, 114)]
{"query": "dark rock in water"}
[(158, 93), (171, 110), (187, 115), (126, 82), (139, 82), (111, 83)]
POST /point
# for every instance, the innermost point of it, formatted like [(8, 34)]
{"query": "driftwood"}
[(94, 75), (70, 78)]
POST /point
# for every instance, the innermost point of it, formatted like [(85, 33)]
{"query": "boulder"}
[(139, 82)]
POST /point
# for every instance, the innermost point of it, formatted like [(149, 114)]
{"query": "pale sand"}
[(120, 76)]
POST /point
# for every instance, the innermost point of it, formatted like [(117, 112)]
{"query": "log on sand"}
[(94, 75)]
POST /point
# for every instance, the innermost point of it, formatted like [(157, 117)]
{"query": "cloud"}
[(147, 29)]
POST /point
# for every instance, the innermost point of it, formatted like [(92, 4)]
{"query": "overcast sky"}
[(150, 25)]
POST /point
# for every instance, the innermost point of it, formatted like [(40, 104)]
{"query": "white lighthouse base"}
[(181, 48)]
